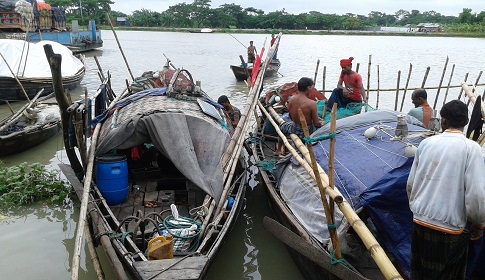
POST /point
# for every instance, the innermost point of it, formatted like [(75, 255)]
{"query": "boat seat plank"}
[(188, 268)]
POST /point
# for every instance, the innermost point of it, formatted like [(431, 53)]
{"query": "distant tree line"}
[(200, 14)]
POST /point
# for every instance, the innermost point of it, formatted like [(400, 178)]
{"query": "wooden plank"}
[(188, 268)]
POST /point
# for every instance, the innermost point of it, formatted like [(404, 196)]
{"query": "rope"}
[(267, 165), (177, 227), (331, 226), (310, 140), (334, 261)]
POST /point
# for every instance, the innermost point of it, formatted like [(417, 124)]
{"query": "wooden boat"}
[(370, 174), (183, 158), (241, 73), (22, 71), (203, 30), (18, 21), (30, 126)]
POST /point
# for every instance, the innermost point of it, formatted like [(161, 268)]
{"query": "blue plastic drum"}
[(112, 178)]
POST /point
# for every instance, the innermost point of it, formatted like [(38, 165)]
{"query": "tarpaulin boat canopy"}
[(371, 174), (193, 141), (28, 60)]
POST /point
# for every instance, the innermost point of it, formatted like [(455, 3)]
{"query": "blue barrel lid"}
[(110, 158)]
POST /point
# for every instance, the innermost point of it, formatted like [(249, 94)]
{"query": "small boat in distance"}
[(25, 63), (203, 30), (241, 72)]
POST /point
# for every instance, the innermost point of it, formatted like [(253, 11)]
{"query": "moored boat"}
[(24, 69), (180, 175), (34, 21), (242, 72), (33, 124), (371, 162)]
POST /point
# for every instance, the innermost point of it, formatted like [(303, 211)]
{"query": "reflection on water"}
[(42, 237)]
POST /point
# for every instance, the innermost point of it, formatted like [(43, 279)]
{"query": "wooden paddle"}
[(326, 207)]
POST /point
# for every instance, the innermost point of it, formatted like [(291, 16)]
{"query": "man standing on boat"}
[(232, 112), (349, 88), (251, 52), (421, 111), (446, 190)]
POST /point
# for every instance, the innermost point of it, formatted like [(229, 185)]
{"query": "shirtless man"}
[(251, 52), (300, 101)]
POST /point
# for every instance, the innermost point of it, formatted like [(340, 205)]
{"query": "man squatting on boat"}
[(446, 190), (349, 87)]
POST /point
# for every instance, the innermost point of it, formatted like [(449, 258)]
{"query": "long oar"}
[(119, 46), (326, 206)]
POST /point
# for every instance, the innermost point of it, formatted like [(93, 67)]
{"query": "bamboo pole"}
[(331, 157), (94, 256), (368, 80), (323, 78), (397, 89), (15, 77), (406, 87), (474, 86), (425, 77), (100, 70), (119, 46), (461, 90), (357, 68), (375, 250), (449, 82), (323, 197), (441, 82), (7, 121), (84, 204), (378, 86), (316, 72)]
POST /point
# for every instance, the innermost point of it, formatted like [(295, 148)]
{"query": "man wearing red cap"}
[(352, 92)]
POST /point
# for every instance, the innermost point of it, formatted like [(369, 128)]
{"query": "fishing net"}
[(350, 110)]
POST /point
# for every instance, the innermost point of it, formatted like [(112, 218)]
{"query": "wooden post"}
[(326, 207), (449, 82), (316, 72), (425, 77), (323, 79), (441, 82), (397, 89), (461, 91), (55, 61), (406, 87), (368, 80), (378, 87)]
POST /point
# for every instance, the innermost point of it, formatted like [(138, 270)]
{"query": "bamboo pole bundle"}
[(449, 82), (376, 251), (397, 89), (441, 82), (406, 87)]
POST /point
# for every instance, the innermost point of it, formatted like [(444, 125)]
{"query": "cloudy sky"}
[(339, 7)]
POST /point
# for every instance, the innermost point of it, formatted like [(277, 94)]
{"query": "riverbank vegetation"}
[(24, 184), (201, 14)]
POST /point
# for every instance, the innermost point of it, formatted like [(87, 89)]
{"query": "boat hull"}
[(241, 74), (19, 142), (11, 91)]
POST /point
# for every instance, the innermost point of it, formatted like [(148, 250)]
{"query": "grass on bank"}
[(24, 184)]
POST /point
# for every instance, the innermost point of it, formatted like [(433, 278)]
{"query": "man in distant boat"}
[(273, 40), (446, 191), (421, 111), (233, 113), (251, 52), (349, 87), (301, 101)]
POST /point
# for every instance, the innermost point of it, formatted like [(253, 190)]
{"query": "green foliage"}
[(24, 184)]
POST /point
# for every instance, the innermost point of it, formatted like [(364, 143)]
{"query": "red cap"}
[(346, 62)]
